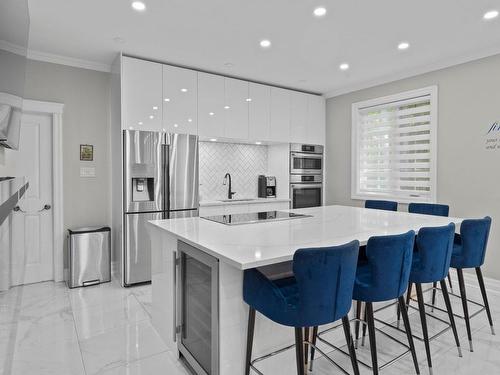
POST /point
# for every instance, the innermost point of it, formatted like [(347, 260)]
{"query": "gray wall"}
[(468, 175), (85, 94)]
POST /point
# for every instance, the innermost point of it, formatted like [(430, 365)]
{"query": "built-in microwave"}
[(306, 191), (306, 159)]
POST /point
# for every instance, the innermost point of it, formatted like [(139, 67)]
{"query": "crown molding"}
[(447, 63), (69, 61)]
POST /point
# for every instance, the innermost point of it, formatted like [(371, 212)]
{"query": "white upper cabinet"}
[(236, 105), (298, 117), (180, 97), (211, 116), (316, 120), (259, 112), (141, 94), (279, 128)]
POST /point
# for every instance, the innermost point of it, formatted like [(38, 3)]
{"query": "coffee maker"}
[(267, 187)]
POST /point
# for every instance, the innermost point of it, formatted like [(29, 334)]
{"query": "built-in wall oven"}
[(306, 175), (306, 191), (306, 159)]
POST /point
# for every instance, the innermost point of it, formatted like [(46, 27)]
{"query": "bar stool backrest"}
[(429, 209), (382, 205), (474, 235), (434, 246), (390, 260), (325, 278)]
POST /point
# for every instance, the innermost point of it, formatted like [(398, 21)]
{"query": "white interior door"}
[(32, 225)]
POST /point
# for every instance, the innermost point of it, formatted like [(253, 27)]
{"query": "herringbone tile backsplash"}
[(243, 162)]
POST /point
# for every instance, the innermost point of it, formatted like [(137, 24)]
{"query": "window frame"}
[(432, 92)]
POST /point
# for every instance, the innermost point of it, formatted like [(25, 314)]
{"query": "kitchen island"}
[(225, 251)]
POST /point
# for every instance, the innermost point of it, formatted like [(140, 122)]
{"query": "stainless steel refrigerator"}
[(160, 182)]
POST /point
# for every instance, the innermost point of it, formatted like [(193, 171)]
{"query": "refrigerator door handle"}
[(166, 180)]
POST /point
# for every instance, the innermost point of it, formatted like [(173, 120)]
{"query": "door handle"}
[(44, 208), (175, 261)]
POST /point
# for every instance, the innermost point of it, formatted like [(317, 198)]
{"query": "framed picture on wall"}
[(86, 152)]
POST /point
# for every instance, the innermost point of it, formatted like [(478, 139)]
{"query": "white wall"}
[(85, 94), (468, 174)]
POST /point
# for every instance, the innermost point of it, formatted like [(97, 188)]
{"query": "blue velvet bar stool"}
[(469, 251), (381, 205), (431, 263), (318, 293), (384, 277), (435, 210)]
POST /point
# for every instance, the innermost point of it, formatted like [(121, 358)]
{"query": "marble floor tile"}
[(120, 346), (163, 363), (96, 319), (46, 328)]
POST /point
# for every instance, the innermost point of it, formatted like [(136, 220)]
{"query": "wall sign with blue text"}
[(493, 137)]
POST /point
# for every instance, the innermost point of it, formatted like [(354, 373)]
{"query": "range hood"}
[(10, 120)]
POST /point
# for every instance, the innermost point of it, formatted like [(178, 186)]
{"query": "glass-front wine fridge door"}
[(199, 331)]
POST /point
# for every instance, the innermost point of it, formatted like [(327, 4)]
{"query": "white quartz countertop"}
[(214, 202), (260, 244)]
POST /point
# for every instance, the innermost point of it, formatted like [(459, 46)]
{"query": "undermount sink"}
[(237, 200)]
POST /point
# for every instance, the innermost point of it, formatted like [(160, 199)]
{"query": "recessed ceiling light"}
[(226, 107), (248, 99), (213, 139), (140, 122), (491, 14), (184, 90), (155, 108), (265, 43), (211, 113), (139, 6), (258, 143), (403, 45), (151, 117), (319, 11), (131, 127), (176, 125), (190, 120), (344, 66), (167, 99)]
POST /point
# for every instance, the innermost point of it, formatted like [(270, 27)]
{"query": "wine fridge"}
[(197, 321)]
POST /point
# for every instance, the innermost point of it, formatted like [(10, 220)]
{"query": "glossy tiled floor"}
[(47, 329)]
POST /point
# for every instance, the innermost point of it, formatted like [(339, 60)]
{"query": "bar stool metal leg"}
[(408, 297), (463, 294), (313, 340), (350, 344), (434, 291), (250, 332), (371, 335), (406, 321), (299, 351), (306, 346), (364, 329), (485, 297), (423, 320), (450, 315), (356, 324), (449, 281)]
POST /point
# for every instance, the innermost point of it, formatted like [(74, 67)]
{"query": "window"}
[(394, 147)]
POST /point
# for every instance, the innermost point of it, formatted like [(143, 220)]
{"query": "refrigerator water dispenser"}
[(143, 189)]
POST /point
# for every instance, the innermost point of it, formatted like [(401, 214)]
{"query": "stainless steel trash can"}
[(89, 256)]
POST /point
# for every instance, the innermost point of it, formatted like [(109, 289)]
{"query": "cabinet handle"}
[(174, 294)]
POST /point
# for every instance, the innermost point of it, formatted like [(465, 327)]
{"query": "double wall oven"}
[(306, 175)]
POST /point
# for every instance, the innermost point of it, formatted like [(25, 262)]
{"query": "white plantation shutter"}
[(394, 147)]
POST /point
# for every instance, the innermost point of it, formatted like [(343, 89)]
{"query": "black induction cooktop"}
[(254, 217)]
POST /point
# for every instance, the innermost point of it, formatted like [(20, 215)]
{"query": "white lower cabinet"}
[(228, 209)]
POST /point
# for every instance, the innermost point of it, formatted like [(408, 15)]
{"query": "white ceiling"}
[(305, 53)]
